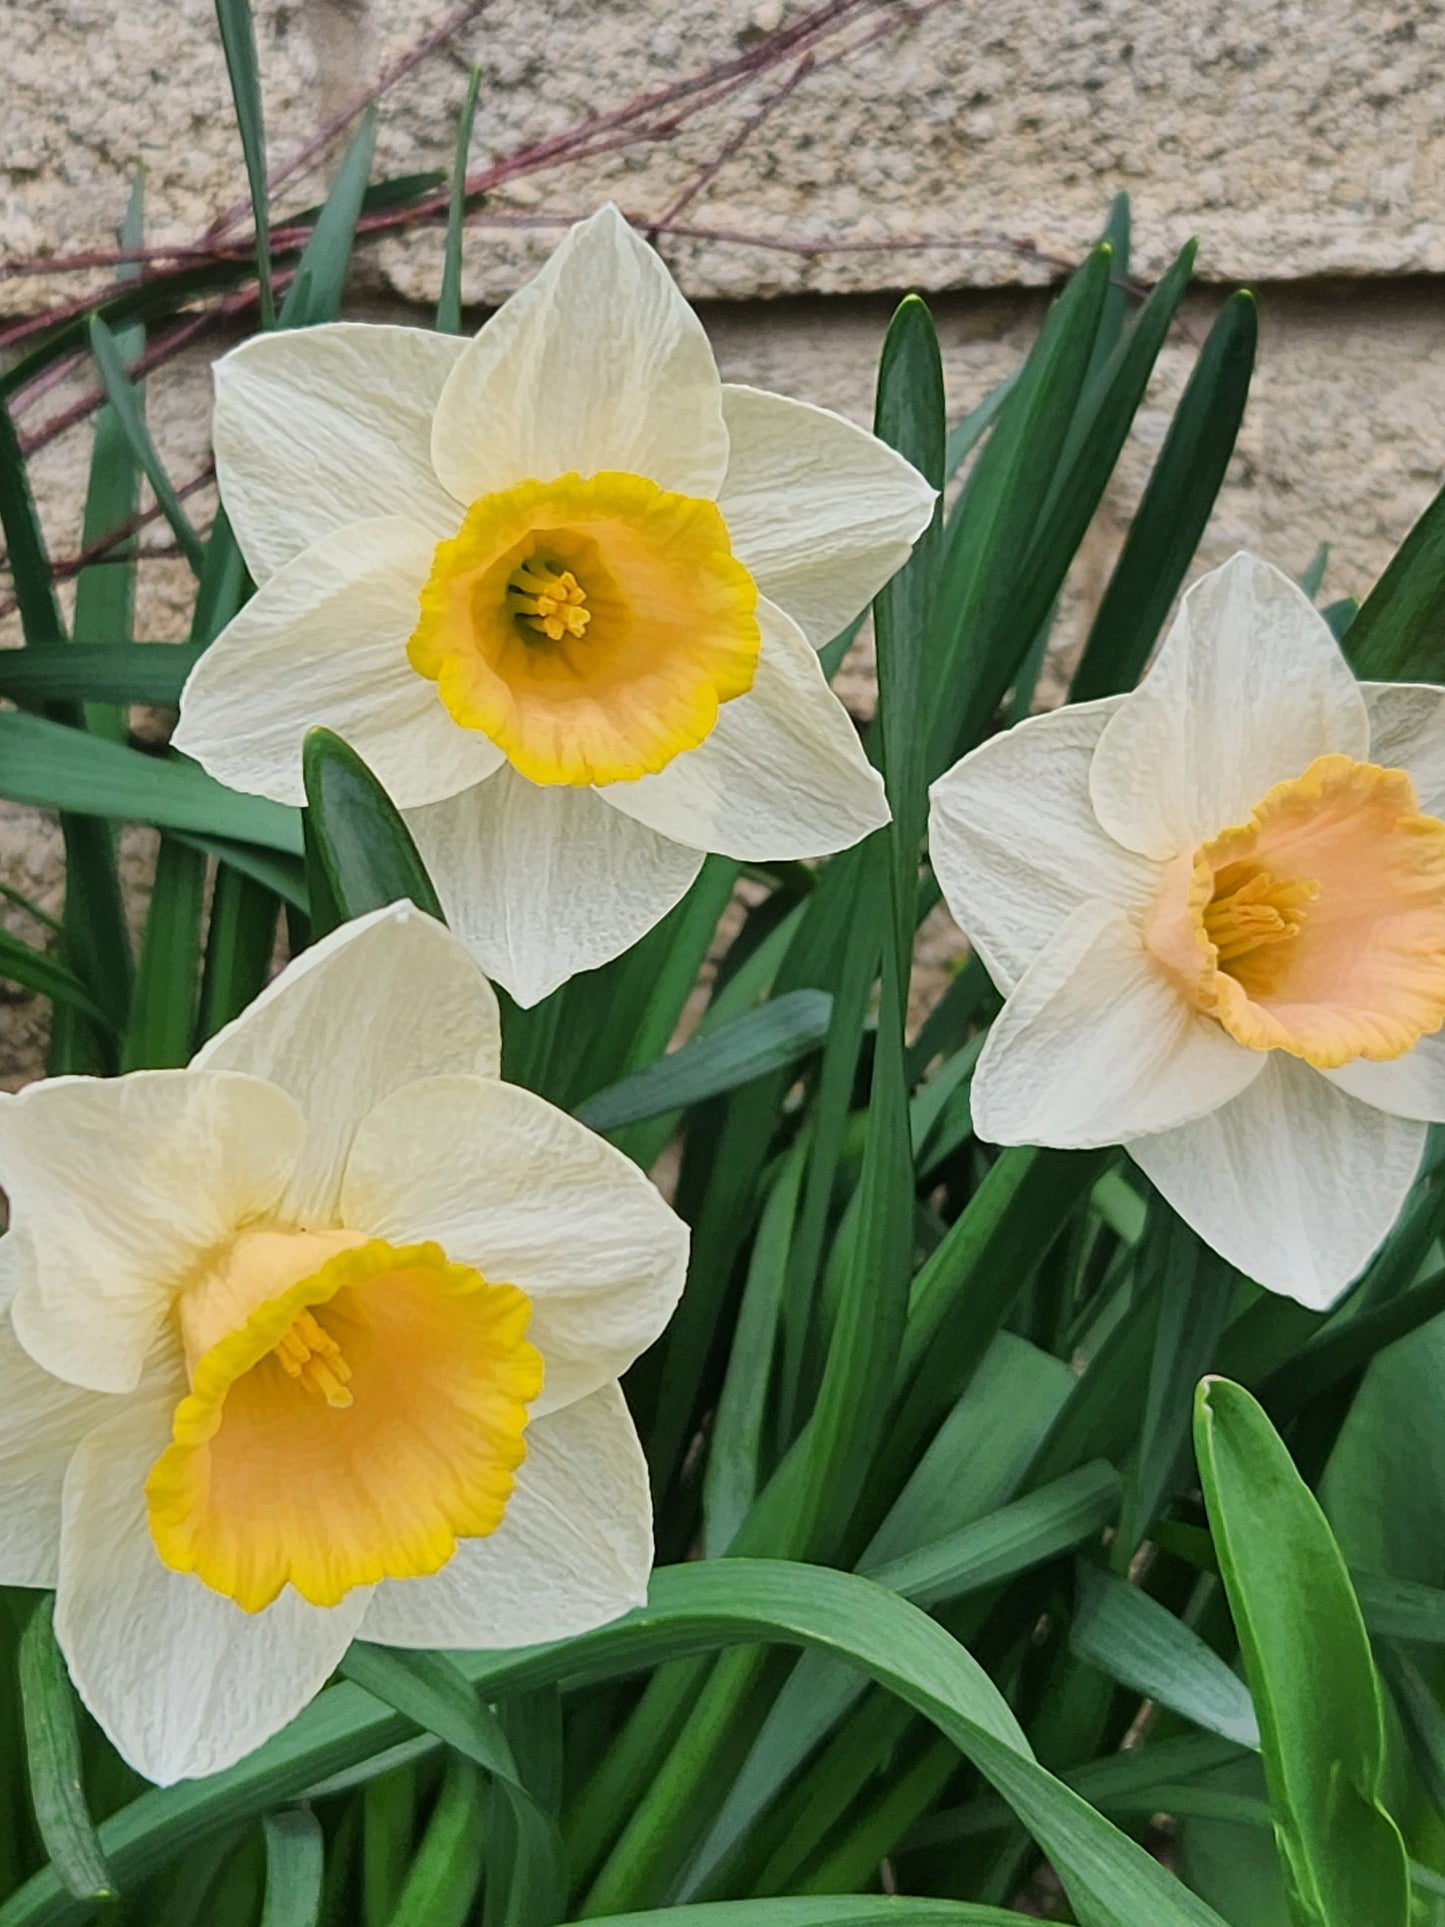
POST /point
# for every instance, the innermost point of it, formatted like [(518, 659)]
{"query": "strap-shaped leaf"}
[(449, 301), (38, 971), (365, 849), (1142, 1645), (52, 1747), (1396, 636), (431, 1690), (1309, 1667), (1176, 505), (99, 673), (833, 1910), (1111, 1881), (769, 1038), (58, 768), (295, 1867), (121, 394), (238, 38)]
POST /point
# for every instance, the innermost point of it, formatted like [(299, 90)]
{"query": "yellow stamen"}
[(1250, 908), (307, 1352), (552, 603)]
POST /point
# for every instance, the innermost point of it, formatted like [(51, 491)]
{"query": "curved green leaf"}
[(1396, 634), (696, 1608), (449, 301), (36, 970), (238, 38), (431, 1690), (103, 672), (1142, 1645), (1310, 1671), (365, 849), (58, 768), (52, 1748), (1175, 507), (295, 1865), (121, 394), (441, 1888), (769, 1038), (831, 1910)]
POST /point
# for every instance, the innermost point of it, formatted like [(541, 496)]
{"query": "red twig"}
[(579, 142), (705, 177), (413, 57), (154, 357), (100, 550)]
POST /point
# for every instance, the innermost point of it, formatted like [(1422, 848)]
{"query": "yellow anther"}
[(1251, 908), (552, 603), (309, 1354)]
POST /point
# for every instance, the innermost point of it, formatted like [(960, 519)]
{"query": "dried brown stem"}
[(705, 176), (65, 566), (398, 70)]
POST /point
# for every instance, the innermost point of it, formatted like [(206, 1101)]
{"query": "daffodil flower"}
[(1217, 908), (562, 588), (318, 1338)]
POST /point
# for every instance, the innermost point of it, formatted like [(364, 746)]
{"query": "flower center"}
[(591, 627), (552, 604), (1317, 927), (309, 1353), (1251, 909), (355, 1408)]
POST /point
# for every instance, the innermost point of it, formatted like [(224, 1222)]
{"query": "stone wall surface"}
[(1305, 146), (1296, 139)]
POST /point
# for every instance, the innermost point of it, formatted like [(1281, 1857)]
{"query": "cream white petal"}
[(324, 641), (1407, 731), (515, 1187), (783, 773), (1410, 1086), (1249, 688), (1016, 846), (573, 1551), (42, 1421), (391, 997), (541, 882), (118, 1186), (598, 363), (1293, 1182), (318, 427), (182, 1680), (1096, 1045), (820, 512)]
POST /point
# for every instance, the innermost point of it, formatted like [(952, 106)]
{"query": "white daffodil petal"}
[(782, 774), (1249, 688), (540, 883), (42, 1421), (391, 997), (1096, 1045), (324, 641), (1016, 846), (118, 1185), (1410, 1086), (598, 363), (318, 427), (182, 1680), (573, 1551), (1407, 731), (820, 512), (531, 1198), (1293, 1182)]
